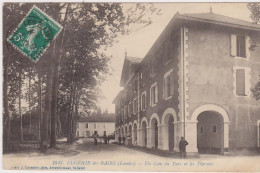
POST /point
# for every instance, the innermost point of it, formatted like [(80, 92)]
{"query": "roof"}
[(134, 59), (98, 118), (219, 19), (208, 18)]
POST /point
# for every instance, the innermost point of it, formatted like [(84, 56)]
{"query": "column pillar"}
[(139, 137), (191, 137), (160, 137), (226, 134), (149, 142)]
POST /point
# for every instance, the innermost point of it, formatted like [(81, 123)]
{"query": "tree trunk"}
[(5, 98), (55, 86), (40, 106), (29, 100), (46, 120), (20, 106)]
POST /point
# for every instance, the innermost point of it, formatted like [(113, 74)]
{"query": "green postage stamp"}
[(35, 33)]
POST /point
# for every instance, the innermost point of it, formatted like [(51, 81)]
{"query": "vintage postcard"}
[(154, 87)]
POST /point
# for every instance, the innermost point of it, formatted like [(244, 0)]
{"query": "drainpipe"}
[(183, 76)]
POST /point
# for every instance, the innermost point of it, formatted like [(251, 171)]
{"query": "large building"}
[(194, 82), (100, 125)]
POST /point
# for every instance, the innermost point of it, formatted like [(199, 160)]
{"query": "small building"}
[(100, 125)]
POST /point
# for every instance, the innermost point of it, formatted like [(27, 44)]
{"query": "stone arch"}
[(143, 129), (144, 119), (169, 130), (210, 107), (169, 111), (212, 110), (154, 131), (154, 115)]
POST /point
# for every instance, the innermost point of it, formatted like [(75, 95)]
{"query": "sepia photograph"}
[(131, 86)]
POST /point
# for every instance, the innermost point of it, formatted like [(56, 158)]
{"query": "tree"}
[(254, 8), (67, 76)]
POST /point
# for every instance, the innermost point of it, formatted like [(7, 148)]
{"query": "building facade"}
[(194, 82), (100, 125)]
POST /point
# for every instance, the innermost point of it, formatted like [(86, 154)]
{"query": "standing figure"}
[(182, 147), (95, 139), (119, 140), (123, 139)]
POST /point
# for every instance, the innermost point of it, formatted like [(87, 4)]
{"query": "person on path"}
[(182, 147)]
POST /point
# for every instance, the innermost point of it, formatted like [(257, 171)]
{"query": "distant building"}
[(194, 82), (100, 125)]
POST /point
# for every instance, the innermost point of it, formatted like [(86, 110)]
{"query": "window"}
[(95, 126), (153, 67), (135, 85), (141, 80), (125, 112), (168, 85), (214, 129), (86, 125), (130, 109), (143, 101), (122, 114), (135, 105), (242, 81), (240, 46), (154, 94), (77, 125)]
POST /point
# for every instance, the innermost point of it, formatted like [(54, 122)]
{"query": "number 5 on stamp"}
[(34, 34)]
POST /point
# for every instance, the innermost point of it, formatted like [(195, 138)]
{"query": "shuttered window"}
[(143, 101), (154, 94), (240, 46), (168, 85), (240, 82)]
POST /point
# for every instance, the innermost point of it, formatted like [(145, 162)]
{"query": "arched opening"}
[(130, 135), (210, 132), (154, 133), (122, 131), (171, 133), (144, 134), (125, 132), (135, 134)]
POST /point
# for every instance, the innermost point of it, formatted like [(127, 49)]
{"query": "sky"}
[(138, 43)]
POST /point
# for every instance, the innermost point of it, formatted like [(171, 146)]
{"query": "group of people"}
[(106, 139), (182, 145), (121, 139)]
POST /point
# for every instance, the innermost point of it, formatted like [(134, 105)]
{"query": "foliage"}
[(254, 8)]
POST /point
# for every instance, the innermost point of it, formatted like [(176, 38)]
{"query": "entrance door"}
[(210, 133), (156, 134)]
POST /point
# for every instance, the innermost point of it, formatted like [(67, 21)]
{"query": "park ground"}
[(83, 155)]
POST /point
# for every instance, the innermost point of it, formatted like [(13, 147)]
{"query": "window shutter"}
[(156, 93), (150, 96), (172, 83), (164, 88), (240, 81), (233, 46), (247, 46)]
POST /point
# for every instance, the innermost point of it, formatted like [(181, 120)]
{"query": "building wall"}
[(211, 80), (100, 127)]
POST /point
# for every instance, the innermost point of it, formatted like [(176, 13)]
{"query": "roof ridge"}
[(233, 18)]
